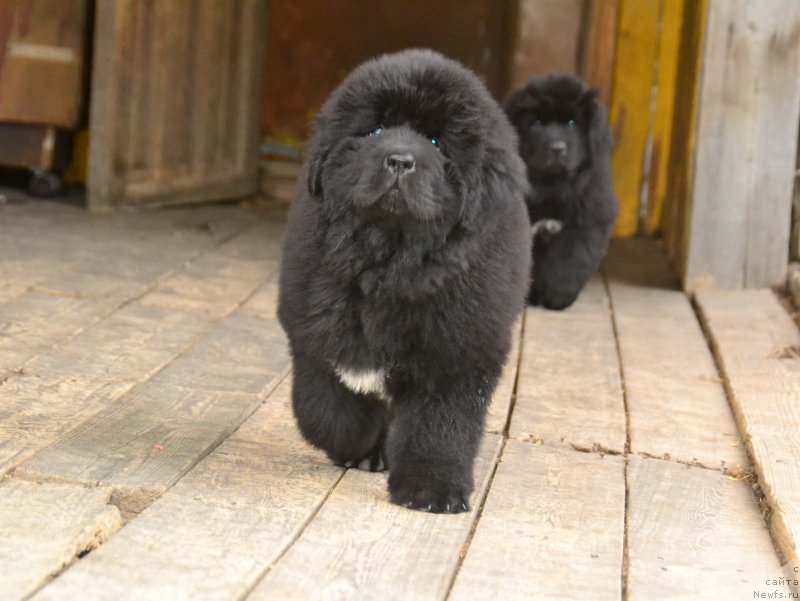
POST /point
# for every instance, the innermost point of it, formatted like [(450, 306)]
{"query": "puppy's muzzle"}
[(400, 164)]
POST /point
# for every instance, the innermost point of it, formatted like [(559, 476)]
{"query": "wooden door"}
[(175, 101)]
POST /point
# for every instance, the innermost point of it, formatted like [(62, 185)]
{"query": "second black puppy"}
[(565, 142)]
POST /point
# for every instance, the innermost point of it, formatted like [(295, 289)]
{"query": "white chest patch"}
[(364, 381)]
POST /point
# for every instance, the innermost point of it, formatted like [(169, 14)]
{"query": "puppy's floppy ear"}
[(523, 101), (520, 102), (502, 179), (314, 172), (600, 132), (597, 119)]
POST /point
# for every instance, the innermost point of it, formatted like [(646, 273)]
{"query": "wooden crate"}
[(42, 61)]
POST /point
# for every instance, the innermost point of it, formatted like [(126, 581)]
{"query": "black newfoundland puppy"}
[(565, 142), (405, 264)]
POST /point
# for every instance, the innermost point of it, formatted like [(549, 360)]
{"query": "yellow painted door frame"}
[(642, 109)]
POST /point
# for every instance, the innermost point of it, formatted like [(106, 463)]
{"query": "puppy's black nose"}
[(400, 164), (559, 148)]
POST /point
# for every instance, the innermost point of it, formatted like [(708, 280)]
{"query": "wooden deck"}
[(148, 451)]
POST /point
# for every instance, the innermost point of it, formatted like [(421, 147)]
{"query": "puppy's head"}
[(560, 125), (412, 140)]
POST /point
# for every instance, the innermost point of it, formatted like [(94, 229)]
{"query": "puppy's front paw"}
[(546, 226), (432, 496)]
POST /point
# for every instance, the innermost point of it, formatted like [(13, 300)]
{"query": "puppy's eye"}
[(537, 123), (435, 142), (376, 132), (571, 123)]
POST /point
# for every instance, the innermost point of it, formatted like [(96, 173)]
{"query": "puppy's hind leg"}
[(349, 427)]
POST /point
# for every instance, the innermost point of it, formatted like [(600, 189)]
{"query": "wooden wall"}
[(313, 44), (642, 102), (548, 38), (748, 110)]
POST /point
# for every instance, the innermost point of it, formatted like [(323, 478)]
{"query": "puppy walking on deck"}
[(405, 265), (565, 142)]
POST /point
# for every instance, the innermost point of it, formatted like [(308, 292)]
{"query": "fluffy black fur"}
[(565, 142), (406, 253)]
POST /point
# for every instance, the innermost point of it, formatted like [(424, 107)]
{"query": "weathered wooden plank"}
[(756, 344), (694, 534), (552, 527), (634, 77), (547, 39), (599, 46), (220, 527), (746, 142), (135, 36), (92, 371), (70, 283), (33, 322), (681, 160), (217, 283), (58, 390), (43, 527), (497, 417), (569, 388), (42, 62), (677, 406), (359, 546), (665, 89), (148, 439)]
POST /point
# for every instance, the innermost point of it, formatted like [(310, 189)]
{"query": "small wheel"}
[(44, 184)]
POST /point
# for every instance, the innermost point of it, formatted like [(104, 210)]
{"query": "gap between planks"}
[(627, 449)]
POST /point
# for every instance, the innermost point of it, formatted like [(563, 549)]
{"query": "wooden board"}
[(634, 77), (217, 283), (307, 57), (569, 388), (90, 372), (547, 39), (677, 408), (658, 176), (748, 110), (42, 61), (148, 439), (552, 528), (58, 521), (34, 321), (694, 534), (58, 263), (750, 332), (359, 546), (58, 390), (497, 418), (682, 146), (597, 60), (175, 101), (221, 526)]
